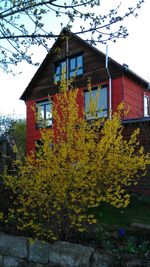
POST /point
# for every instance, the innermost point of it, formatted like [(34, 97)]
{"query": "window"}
[(44, 114), (60, 69), (102, 102), (146, 106), (76, 66)]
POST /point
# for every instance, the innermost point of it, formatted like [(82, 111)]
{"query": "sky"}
[(134, 51)]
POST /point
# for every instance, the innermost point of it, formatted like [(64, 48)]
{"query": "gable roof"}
[(65, 32)]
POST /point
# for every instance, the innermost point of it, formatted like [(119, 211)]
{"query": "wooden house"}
[(118, 83)]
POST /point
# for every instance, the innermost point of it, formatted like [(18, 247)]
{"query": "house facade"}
[(74, 55)]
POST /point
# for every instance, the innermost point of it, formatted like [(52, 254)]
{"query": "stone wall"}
[(24, 252)]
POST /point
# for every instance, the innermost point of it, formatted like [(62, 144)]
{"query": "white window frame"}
[(146, 106), (44, 121)]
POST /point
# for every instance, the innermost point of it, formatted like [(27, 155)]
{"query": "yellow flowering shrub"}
[(79, 164)]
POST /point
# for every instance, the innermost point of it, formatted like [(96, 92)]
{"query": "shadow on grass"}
[(137, 211)]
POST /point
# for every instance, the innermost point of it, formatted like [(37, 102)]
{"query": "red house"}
[(118, 83)]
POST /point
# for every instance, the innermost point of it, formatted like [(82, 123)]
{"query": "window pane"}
[(63, 67), (87, 97), (76, 66), (72, 64), (48, 111), (87, 100), (72, 73), (57, 78), (101, 108), (44, 114), (57, 71), (102, 114), (60, 68), (40, 112), (48, 123), (79, 71), (102, 102), (80, 61)]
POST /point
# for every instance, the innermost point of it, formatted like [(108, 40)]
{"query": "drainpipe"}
[(123, 94), (110, 84), (67, 62)]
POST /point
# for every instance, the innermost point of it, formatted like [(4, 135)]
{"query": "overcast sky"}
[(134, 51)]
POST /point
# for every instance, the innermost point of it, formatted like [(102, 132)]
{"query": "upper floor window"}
[(44, 114), (60, 69), (146, 106), (100, 98), (71, 67), (76, 66)]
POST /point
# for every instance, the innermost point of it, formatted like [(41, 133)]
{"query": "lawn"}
[(137, 211), (112, 232)]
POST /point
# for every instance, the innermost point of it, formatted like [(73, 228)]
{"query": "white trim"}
[(146, 105)]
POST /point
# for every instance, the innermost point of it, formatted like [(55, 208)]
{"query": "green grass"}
[(112, 231), (137, 211)]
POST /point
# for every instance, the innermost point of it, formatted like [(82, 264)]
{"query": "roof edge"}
[(66, 31)]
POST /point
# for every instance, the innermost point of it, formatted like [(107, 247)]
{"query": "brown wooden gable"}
[(42, 84)]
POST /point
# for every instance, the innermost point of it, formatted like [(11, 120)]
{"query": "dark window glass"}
[(72, 63), (76, 66), (44, 114), (101, 99), (60, 69), (80, 61)]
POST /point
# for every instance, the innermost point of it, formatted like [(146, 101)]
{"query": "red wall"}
[(134, 98), (33, 134), (117, 93), (123, 89)]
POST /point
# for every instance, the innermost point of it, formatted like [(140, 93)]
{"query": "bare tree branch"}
[(26, 23)]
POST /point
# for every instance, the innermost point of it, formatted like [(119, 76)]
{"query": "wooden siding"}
[(134, 98), (117, 93), (33, 133), (94, 68)]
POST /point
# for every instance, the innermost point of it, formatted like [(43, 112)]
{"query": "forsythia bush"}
[(79, 164)]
